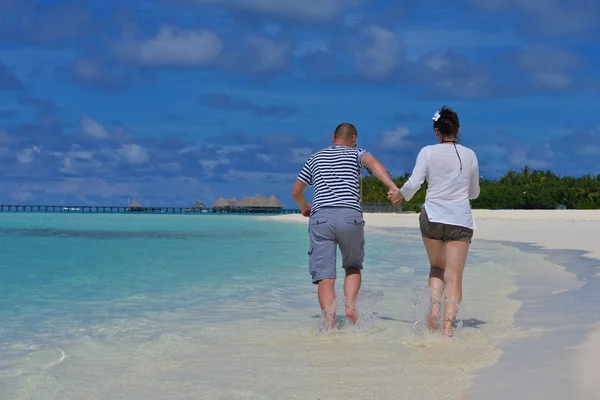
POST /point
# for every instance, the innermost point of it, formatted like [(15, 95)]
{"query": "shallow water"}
[(221, 307)]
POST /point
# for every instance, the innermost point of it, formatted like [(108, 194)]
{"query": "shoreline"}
[(565, 232), (562, 340)]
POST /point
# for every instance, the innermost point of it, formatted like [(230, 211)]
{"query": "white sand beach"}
[(552, 229)]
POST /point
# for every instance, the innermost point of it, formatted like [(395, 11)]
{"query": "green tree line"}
[(525, 189)]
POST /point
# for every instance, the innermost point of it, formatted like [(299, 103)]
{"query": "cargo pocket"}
[(358, 220), (318, 220)]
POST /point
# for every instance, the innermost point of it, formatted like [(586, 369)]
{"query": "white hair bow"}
[(436, 116)]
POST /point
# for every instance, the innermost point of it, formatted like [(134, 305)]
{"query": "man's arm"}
[(377, 169), (298, 195), (304, 179)]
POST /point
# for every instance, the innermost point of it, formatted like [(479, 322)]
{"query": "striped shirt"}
[(334, 173)]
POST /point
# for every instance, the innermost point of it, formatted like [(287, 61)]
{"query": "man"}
[(336, 217)]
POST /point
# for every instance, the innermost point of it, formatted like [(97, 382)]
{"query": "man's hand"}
[(395, 196), (306, 211), (299, 199)]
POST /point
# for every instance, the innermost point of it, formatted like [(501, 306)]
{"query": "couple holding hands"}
[(336, 219)]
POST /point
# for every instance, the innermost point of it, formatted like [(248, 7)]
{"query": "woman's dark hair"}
[(446, 122)]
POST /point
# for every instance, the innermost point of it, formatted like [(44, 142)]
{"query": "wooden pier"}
[(13, 208)]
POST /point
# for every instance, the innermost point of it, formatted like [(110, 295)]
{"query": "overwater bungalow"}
[(134, 206), (197, 207), (224, 205), (248, 204)]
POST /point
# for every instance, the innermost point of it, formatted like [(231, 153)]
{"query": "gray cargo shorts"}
[(328, 228), (445, 232)]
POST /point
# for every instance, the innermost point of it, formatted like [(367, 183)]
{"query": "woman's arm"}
[(474, 188), (413, 184)]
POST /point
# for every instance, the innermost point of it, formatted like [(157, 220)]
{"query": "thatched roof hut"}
[(274, 202), (198, 206), (221, 202), (249, 202), (252, 201)]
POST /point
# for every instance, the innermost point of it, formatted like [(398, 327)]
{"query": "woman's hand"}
[(395, 196)]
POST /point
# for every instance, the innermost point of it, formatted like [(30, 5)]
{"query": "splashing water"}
[(421, 309), (366, 304)]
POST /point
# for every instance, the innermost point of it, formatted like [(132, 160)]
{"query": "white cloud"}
[(550, 17), (552, 80), (133, 154), (269, 55), (309, 47), (300, 155), (549, 67), (27, 156), (297, 9), (170, 167), (210, 165), (173, 47), (380, 56), (79, 162), (92, 129), (396, 138), (591, 150), (265, 157), (88, 69)]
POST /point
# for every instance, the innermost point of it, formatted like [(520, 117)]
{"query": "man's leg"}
[(351, 238), (352, 284), (326, 293), (322, 260)]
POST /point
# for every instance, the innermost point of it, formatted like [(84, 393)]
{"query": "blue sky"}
[(174, 101)]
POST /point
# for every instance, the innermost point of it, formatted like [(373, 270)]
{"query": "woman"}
[(446, 221)]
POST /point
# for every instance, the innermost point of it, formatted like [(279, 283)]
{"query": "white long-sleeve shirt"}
[(448, 188)]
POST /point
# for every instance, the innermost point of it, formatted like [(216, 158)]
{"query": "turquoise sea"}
[(222, 307)]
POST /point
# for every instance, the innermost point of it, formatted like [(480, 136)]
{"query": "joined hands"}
[(395, 196)]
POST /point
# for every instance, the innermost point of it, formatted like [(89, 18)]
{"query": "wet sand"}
[(558, 318)]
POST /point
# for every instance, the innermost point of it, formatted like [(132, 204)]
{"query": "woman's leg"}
[(455, 259), (435, 252)]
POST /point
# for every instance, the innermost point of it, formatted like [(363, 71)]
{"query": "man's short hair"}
[(345, 130)]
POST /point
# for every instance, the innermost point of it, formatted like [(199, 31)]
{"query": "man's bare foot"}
[(351, 314), (328, 319)]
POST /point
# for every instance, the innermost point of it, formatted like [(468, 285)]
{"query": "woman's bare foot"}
[(432, 322), (448, 328), (434, 315), (447, 334)]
